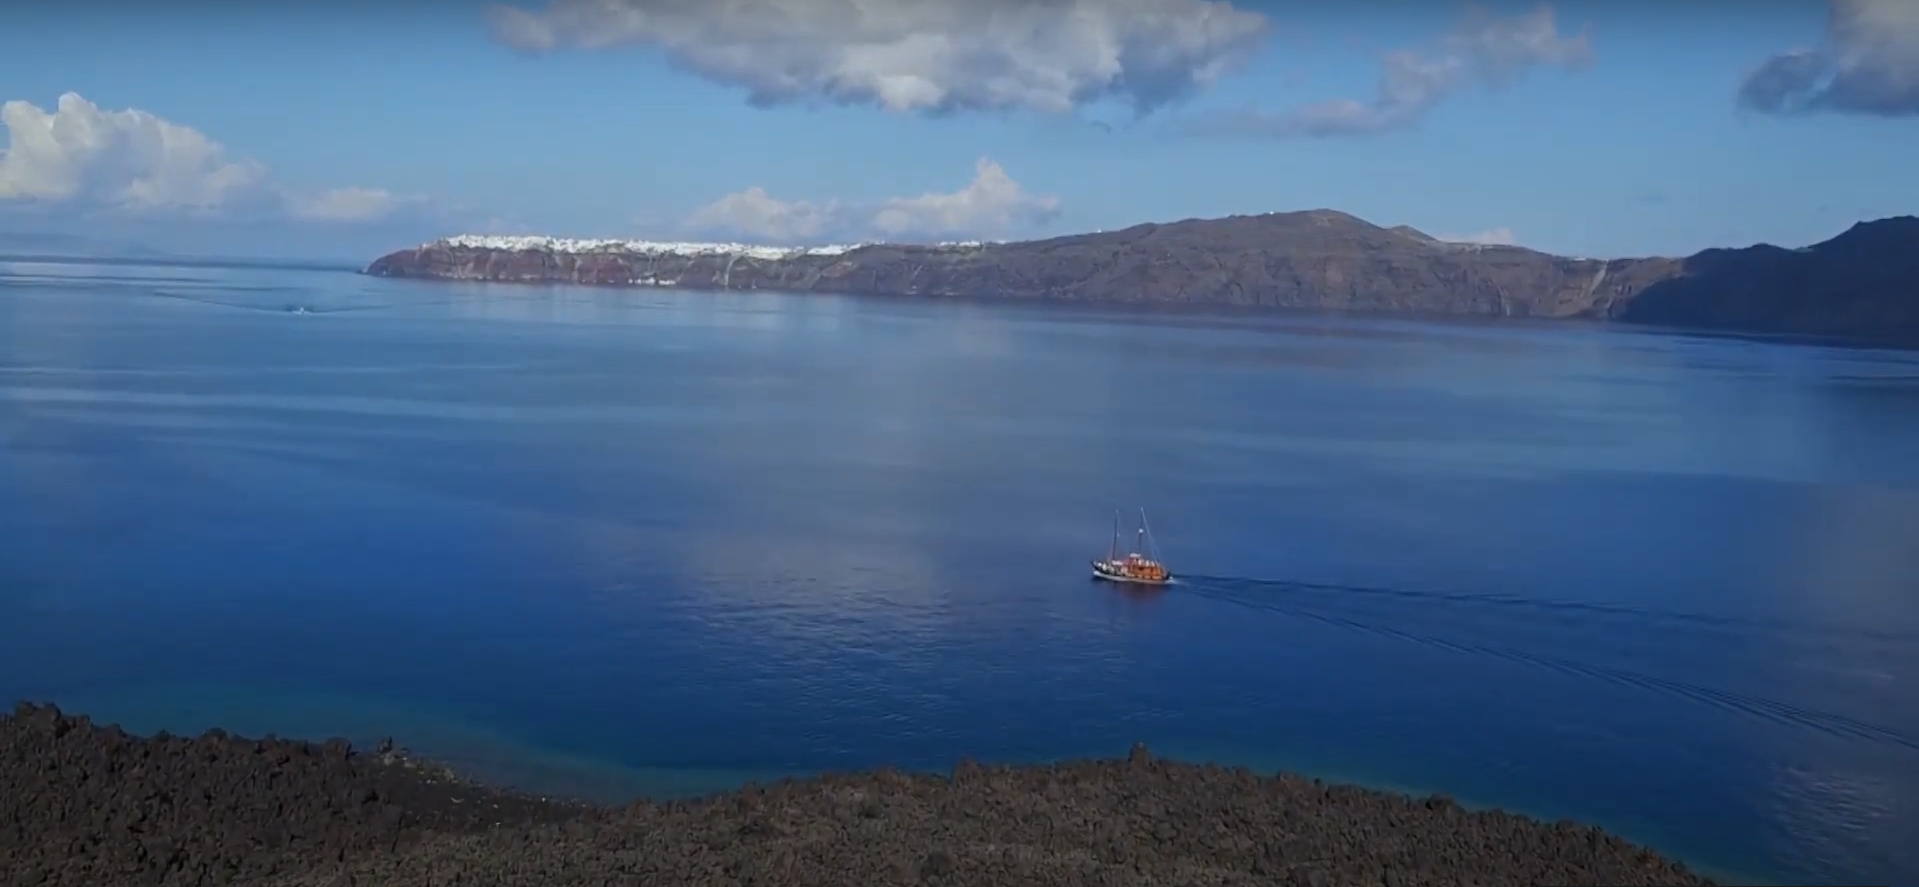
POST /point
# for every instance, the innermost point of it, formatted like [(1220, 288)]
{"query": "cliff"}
[(1862, 283)]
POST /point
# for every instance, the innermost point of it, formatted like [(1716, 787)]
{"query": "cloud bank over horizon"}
[(82, 157), (992, 204)]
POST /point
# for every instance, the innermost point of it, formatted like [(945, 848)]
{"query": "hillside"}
[(1860, 284)]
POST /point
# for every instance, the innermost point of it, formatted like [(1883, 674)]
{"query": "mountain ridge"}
[(1862, 283)]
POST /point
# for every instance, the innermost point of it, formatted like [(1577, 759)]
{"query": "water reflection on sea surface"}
[(653, 541)]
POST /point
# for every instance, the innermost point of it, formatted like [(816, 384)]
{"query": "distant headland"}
[(1862, 284)]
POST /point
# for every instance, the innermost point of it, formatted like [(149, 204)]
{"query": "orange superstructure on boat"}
[(1135, 567)]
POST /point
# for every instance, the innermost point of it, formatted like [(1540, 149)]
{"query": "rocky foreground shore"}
[(87, 805)]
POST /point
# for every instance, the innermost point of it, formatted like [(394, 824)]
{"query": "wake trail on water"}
[(1240, 584), (1761, 708), (284, 308)]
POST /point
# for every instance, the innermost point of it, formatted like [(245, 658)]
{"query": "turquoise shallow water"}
[(619, 543)]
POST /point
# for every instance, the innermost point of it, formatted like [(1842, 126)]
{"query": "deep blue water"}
[(659, 542)]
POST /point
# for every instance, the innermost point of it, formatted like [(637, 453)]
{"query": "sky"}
[(353, 128)]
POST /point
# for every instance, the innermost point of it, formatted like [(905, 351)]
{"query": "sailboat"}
[(1141, 566)]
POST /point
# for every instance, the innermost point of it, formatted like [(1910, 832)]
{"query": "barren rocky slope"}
[(1863, 283), (89, 806)]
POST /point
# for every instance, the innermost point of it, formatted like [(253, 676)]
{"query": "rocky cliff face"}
[(1313, 260), (1862, 284)]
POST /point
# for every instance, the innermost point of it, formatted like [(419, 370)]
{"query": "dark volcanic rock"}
[(93, 807), (1862, 284), (1313, 260), (1320, 259)]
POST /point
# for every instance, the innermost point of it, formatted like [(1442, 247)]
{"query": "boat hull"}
[(1107, 573)]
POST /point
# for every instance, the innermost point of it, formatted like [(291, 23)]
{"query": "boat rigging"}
[(1140, 566)]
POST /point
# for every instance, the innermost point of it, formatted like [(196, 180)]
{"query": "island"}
[(88, 805), (1862, 284)]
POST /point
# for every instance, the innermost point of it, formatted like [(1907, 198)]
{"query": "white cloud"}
[(1494, 237), (82, 156), (1483, 50), (917, 55), (755, 213), (1868, 65), (992, 204)]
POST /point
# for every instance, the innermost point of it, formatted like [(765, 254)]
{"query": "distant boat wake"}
[(1262, 588), (1309, 601), (284, 308)]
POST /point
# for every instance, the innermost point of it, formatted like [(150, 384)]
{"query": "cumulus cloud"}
[(1869, 64), (992, 204), (755, 213), (1494, 237), (80, 153), (82, 156), (917, 55), (1484, 51)]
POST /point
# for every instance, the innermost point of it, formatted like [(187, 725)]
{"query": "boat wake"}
[(1583, 610), (280, 307), (1312, 603)]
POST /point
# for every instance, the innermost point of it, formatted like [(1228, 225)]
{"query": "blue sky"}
[(347, 130)]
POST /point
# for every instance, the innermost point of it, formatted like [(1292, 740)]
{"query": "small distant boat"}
[(1141, 566)]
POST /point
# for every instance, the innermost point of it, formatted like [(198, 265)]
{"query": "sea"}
[(623, 543)]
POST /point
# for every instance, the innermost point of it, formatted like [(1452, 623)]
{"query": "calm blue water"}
[(620, 542)]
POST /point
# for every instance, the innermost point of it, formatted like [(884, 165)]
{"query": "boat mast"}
[(1146, 533), (1112, 551)]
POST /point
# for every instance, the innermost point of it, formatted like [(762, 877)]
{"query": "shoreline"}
[(1243, 316), (1313, 259), (179, 810)]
